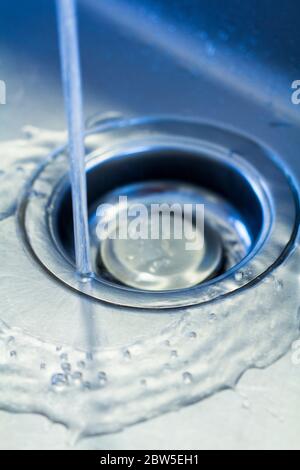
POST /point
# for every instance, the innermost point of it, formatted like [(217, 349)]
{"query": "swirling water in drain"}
[(97, 385)]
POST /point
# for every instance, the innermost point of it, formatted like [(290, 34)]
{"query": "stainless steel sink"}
[(229, 64)]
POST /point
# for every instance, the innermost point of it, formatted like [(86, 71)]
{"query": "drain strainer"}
[(169, 245)]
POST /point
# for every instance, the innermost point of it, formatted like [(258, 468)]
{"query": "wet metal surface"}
[(228, 69)]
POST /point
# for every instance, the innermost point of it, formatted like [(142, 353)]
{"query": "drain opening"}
[(233, 218), (174, 249), (251, 211)]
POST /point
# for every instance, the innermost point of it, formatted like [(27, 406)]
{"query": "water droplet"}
[(59, 380), (212, 317), (187, 378), (66, 366), (167, 343), (153, 267), (239, 276), (174, 354), (13, 353), (50, 209), (11, 340), (58, 348), (42, 365), (76, 376), (192, 334), (81, 364), (20, 169), (279, 285), (246, 404), (87, 385), (84, 278), (102, 378), (64, 357), (127, 355)]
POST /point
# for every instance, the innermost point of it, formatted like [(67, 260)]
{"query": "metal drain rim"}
[(47, 254)]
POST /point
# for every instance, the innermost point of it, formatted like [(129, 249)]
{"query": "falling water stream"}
[(73, 103)]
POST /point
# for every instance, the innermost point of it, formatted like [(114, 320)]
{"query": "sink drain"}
[(173, 250), (251, 212)]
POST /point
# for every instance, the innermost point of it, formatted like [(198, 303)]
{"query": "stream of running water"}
[(71, 78)]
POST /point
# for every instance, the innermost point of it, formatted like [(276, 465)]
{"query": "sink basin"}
[(230, 66)]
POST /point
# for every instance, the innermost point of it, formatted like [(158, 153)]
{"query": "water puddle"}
[(97, 368)]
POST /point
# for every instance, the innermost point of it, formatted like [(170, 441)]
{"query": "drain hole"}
[(160, 238), (233, 218)]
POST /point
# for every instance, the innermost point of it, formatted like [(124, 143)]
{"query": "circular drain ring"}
[(275, 190)]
